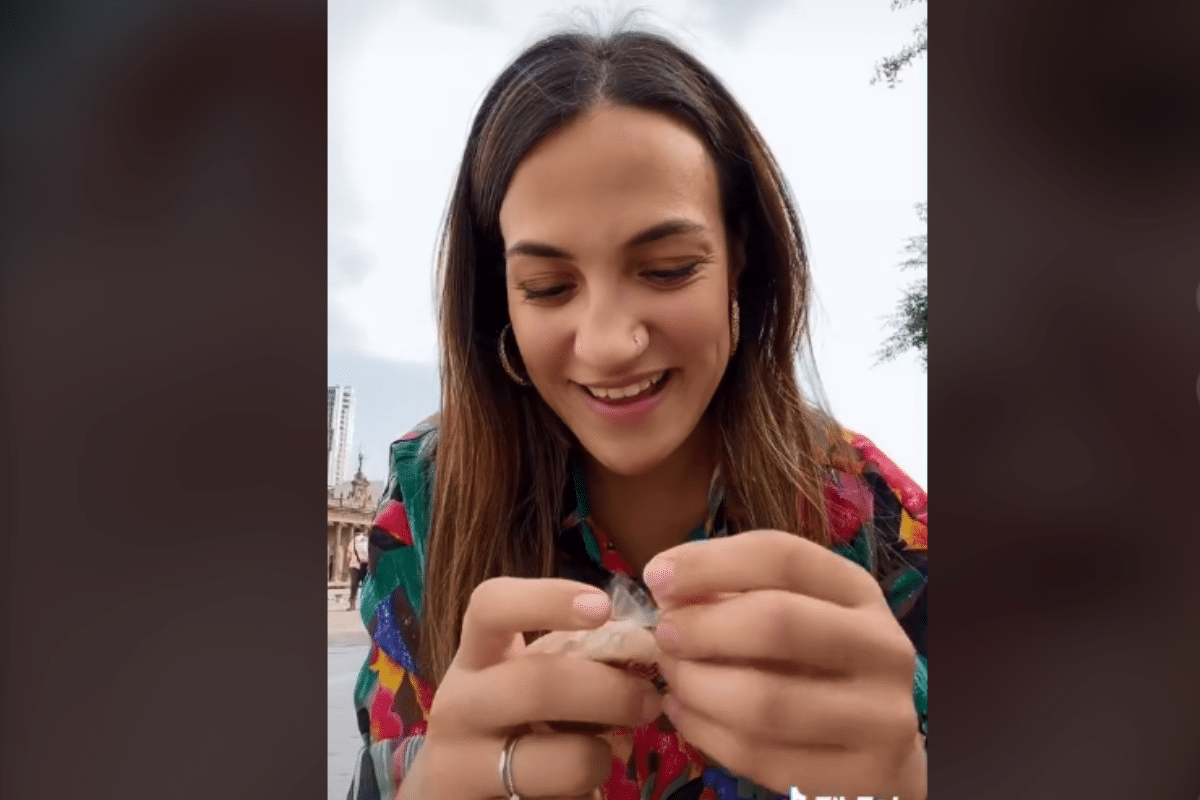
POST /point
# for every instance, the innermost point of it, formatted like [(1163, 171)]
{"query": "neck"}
[(646, 514)]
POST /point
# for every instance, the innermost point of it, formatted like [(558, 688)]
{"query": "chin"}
[(629, 461)]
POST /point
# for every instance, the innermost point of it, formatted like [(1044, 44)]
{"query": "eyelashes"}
[(673, 276), (541, 294), (666, 278)]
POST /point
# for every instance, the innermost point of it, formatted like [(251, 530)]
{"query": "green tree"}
[(889, 68), (910, 323)]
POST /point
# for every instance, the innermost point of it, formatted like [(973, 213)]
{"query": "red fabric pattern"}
[(618, 786), (912, 496), (849, 504), (385, 723), (609, 557), (675, 757), (393, 519), (424, 694)]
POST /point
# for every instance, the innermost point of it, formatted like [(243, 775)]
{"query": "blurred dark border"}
[(162, 347), (162, 358), (1065, 352)]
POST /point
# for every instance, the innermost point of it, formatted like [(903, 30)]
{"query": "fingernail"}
[(667, 635), (670, 705), (592, 605), (652, 708), (658, 573)]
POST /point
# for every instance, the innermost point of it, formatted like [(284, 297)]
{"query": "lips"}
[(630, 410)]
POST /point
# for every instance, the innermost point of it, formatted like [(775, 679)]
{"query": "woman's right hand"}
[(494, 689)]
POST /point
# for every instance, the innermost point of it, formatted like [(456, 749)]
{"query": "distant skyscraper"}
[(341, 431)]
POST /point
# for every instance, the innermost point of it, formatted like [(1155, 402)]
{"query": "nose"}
[(605, 336)]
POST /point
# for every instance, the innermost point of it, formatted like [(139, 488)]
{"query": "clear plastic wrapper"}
[(625, 641), (631, 603)]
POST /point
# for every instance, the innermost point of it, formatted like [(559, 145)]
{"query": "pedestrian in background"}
[(356, 558)]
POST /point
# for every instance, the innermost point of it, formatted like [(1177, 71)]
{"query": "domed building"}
[(347, 515)]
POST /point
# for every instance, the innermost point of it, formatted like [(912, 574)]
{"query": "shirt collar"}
[(578, 510)]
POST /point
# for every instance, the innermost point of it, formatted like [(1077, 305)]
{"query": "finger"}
[(817, 771), (778, 709), (788, 628), (553, 688), (502, 607), (757, 560), (543, 766)]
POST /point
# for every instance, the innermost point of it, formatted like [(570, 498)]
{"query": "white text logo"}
[(796, 795)]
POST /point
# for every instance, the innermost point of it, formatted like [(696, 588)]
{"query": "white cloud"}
[(734, 22)]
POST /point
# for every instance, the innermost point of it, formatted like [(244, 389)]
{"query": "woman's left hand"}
[(785, 665)]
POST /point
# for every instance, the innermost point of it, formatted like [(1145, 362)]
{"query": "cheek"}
[(697, 328), (544, 341)]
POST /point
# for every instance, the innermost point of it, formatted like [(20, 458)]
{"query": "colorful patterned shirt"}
[(653, 762)]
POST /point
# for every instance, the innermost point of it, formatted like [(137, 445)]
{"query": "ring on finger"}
[(506, 771)]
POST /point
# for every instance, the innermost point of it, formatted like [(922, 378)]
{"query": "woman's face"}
[(618, 272)]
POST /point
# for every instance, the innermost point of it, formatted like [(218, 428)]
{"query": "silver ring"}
[(506, 777)]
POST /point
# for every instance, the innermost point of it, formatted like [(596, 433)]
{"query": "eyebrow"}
[(667, 228)]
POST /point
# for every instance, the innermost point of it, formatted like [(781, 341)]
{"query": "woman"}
[(623, 291)]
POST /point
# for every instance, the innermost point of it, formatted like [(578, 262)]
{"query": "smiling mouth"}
[(615, 398)]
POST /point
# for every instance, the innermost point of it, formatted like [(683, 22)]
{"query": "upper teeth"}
[(627, 391)]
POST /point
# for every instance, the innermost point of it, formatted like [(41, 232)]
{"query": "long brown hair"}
[(501, 456)]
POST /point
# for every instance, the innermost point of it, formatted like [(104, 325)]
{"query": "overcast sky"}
[(406, 76)]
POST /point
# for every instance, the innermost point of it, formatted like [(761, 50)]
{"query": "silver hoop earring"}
[(512, 373), (735, 324)]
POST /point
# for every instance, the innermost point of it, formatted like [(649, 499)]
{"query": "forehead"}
[(613, 170)]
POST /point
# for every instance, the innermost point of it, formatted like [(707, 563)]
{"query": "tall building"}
[(341, 432)]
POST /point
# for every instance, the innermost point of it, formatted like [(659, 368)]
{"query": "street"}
[(347, 648)]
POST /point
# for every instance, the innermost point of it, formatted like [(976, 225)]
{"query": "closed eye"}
[(539, 294), (673, 276), (665, 277)]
